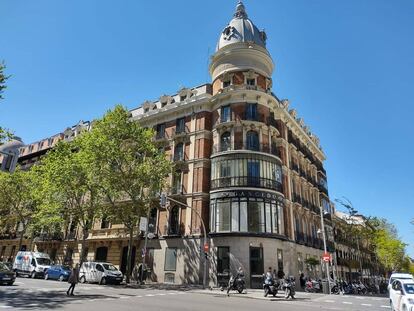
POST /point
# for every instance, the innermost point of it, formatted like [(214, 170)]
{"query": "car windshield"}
[(43, 261), (4, 267), (110, 267), (409, 288)]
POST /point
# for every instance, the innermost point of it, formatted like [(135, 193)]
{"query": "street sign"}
[(143, 224), (326, 257), (206, 248)]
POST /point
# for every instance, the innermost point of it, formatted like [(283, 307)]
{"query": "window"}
[(161, 130), (253, 173), (99, 268), (226, 83), (256, 217), (223, 216), (280, 260), (252, 141), (223, 259), (3, 250), (179, 152), (251, 112), (250, 81), (152, 221), (170, 259), (225, 115), (177, 187), (256, 261), (180, 125), (225, 143), (101, 253), (104, 223), (146, 110), (183, 97), (174, 220)]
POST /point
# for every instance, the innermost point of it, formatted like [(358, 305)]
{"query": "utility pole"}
[(325, 249), (163, 201)]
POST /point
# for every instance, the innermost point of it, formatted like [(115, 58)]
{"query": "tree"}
[(3, 79), (128, 166), (17, 201), (69, 189)]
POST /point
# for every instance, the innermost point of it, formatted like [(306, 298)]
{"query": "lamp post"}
[(325, 248), (163, 199)]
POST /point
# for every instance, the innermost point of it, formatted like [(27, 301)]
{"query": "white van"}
[(31, 263), (99, 272)]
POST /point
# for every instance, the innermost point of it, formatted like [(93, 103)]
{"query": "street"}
[(38, 294)]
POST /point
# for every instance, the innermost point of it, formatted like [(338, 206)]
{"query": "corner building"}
[(247, 163)]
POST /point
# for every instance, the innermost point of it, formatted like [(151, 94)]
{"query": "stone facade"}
[(246, 163)]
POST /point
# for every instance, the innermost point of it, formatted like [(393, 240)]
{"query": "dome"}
[(241, 29)]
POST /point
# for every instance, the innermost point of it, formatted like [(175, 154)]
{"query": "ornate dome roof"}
[(241, 29)]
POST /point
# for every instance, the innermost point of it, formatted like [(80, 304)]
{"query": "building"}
[(244, 161)]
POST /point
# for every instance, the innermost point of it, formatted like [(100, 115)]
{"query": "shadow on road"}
[(44, 299)]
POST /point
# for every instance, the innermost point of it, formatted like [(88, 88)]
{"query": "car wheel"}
[(103, 281), (33, 274), (46, 276), (61, 278), (82, 279)]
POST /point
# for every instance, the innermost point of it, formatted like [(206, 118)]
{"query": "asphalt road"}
[(29, 294)]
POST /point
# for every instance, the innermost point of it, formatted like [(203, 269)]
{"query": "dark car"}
[(58, 272), (7, 276)]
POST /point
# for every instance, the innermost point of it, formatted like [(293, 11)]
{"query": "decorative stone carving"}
[(166, 100), (285, 103), (293, 113)]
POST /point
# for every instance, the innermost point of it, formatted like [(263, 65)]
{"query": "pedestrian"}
[(73, 280), (302, 281)]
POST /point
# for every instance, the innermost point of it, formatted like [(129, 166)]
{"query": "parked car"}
[(399, 276), (100, 272), (7, 276), (32, 264), (58, 272), (402, 295)]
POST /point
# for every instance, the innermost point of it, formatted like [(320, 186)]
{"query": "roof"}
[(241, 29)]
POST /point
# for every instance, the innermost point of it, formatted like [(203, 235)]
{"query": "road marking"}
[(161, 294), (138, 296), (5, 307), (387, 307), (149, 295), (329, 301), (347, 302), (366, 304), (125, 297)]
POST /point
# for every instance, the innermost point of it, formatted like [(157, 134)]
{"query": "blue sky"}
[(346, 66)]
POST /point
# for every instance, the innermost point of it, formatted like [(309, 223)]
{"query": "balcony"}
[(180, 132), (296, 198), (246, 181), (260, 148), (323, 189), (294, 167), (161, 136)]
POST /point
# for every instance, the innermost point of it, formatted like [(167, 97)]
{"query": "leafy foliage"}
[(3, 79)]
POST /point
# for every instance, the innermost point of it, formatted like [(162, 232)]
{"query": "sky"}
[(346, 66)]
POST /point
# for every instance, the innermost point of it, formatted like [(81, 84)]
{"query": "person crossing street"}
[(73, 280)]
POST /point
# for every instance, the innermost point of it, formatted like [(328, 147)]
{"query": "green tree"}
[(17, 201), (129, 167), (69, 190)]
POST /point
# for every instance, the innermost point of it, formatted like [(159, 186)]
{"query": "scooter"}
[(236, 283), (269, 286), (288, 287)]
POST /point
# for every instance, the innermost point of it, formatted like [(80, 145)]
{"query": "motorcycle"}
[(288, 287), (269, 286), (236, 283)]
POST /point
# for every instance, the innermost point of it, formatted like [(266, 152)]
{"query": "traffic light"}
[(163, 200)]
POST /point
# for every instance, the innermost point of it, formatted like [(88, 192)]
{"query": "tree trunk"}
[(83, 243), (129, 257), (21, 240)]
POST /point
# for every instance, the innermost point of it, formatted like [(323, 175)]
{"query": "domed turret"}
[(241, 29), (241, 48)]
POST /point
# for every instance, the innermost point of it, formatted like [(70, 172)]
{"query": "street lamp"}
[(325, 248)]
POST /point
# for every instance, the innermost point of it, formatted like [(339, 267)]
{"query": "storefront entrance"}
[(256, 267)]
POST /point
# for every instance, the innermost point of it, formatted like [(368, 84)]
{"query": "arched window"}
[(174, 221), (179, 152), (252, 140), (225, 141)]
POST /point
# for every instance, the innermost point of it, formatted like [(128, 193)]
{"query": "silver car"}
[(100, 272)]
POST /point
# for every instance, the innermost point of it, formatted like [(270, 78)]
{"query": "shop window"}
[(252, 141), (170, 259), (256, 218), (225, 143), (223, 216)]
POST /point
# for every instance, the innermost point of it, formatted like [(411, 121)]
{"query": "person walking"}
[(73, 280), (302, 281)]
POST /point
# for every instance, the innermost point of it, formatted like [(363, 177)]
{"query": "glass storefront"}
[(255, 213)]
